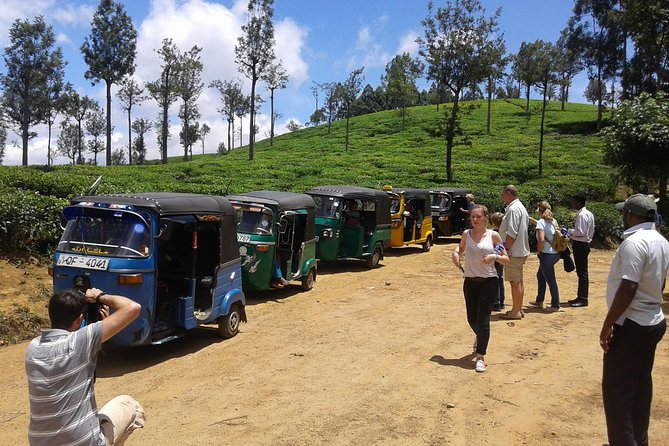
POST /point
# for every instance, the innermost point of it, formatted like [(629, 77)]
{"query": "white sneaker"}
[(480, 366)]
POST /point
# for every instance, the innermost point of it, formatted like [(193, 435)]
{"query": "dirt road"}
[(368, 357)]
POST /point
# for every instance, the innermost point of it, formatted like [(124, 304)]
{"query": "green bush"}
[(29, 221)]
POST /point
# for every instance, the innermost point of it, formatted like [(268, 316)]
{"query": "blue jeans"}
[(546, 275)]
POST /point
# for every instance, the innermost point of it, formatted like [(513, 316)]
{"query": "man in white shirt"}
[(516, 239), (634, 324), (581, 236)]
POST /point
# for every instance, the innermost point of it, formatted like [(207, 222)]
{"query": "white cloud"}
[(63, 39), (77, 16), (408, 44), (367, 52), (290, 40), (19, 9)]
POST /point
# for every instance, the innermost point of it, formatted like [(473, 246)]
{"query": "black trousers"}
[(627, 383), (581, 253), (480, 294)]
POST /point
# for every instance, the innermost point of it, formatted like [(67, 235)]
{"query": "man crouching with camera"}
[(60, 366)]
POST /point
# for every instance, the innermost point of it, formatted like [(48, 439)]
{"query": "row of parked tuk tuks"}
[(189, 258)]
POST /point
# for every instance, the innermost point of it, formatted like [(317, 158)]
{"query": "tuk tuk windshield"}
[(254, 220), (442, 202), (394, 205), (105, 232), (327, 207)]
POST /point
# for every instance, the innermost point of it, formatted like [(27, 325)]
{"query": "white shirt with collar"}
[(584, 226), (514, 224), (643, 258)]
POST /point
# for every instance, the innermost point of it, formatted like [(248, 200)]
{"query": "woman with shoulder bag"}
[(548, 257)]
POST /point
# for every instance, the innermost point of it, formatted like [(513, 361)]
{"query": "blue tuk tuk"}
[(175, 254)]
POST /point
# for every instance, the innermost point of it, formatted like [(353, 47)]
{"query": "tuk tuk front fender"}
[(308, 265)]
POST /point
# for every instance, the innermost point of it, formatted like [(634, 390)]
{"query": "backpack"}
[(560, 242)]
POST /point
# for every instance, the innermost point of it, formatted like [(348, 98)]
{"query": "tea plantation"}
[(381, 152)]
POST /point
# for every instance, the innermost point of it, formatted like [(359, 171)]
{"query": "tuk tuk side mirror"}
[(406, 213), (165, 230), (62, 220)]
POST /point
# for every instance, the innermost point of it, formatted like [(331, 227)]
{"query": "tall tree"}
[(162, 91), (188, 86), (524, 69), (276, 78), (602, 40), (399, 81), (77, 108), (231, 95), (254, 51), (572, 47), (332, 101), (547, 66), (348, 92), (68, 140), (130, 94), (95, 127), (109, 51), (453, 46), (204, 131), (140, 126), (32, 64), (55, 100), (496, 63)]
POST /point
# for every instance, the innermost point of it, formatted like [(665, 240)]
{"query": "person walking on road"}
[(480, 285), (634, 323), (516, 239), (60, 366), (581, 237)]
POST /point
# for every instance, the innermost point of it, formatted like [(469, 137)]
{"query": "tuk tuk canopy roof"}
[(361, 193), (451, 190), (285, 201), (410, 194), (349, 192), (166, 203)]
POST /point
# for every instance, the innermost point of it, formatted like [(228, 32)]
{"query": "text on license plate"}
[(83, 262), (243, 238)]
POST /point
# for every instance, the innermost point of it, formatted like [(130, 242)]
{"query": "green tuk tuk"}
[(447, 218), (351, 223), (275, 230)]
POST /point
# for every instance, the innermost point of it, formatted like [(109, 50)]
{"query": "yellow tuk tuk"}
[(411, 217)]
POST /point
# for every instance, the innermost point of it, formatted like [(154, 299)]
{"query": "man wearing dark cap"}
[(581, 236), (634, 323)]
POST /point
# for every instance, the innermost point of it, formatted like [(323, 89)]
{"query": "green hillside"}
[(380, 153)]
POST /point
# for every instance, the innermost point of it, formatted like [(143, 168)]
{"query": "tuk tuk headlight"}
[(444, 218), (327, 233)]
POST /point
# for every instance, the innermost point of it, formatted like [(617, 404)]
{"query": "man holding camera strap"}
[(60, 366)]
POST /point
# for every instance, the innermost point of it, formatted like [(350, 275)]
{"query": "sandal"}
[(510, 315)]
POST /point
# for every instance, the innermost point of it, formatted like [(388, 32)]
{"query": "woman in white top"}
[(480, 286), (548, 257)]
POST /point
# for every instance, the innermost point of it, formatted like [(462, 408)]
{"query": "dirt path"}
[(368, 357)]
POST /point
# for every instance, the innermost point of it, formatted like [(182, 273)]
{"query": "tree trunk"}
[(450, 133), (347, 132), (24, 142), (527, 96), (108, 84), (48, 145), (489, 105), (271, 125), (186, 131), (541, 139), (254, 79), (563, 92), (129, 136), (599, 97)]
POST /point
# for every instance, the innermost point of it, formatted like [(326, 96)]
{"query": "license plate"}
[(85, 262), (243, 238)]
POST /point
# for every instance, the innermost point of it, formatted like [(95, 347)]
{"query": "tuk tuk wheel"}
[(308, 280), (228, 325), (373, 260), (428, 244)]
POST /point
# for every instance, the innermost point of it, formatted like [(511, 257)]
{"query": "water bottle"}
[(564, 231), (499, 249)]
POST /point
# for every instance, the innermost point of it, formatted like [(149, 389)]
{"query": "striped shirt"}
[(60, 367)]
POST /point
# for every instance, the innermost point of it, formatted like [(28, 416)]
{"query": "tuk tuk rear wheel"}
[(308, 280), (373, 260), (228, 325), (428, 244)]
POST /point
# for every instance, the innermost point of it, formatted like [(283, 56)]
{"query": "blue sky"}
[(317, 41)]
